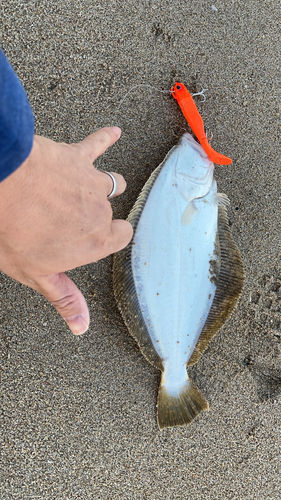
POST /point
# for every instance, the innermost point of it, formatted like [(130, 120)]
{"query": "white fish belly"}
[(171, 269)]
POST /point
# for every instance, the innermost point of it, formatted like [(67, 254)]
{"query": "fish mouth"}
[(195, 145), (208, 165)]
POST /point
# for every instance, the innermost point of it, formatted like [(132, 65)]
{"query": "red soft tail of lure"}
[(193, 117)]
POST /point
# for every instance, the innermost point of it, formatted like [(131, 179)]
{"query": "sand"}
[(78, 416)]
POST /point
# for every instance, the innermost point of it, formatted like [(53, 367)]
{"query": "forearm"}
[(16, 121)]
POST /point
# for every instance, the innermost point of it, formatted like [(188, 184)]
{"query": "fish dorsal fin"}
[(134, 215), (123, 281), (230, 284)]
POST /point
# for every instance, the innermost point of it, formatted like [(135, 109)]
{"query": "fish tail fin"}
[(179, 406), (213, 155)]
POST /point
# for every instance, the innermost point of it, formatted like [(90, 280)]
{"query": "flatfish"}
[(180, 278)]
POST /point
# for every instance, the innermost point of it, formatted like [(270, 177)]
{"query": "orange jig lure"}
[(193, 117)]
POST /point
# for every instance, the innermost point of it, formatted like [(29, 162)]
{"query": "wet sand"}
[(78, 416)]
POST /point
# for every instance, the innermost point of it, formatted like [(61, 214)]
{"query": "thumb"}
[(67, 300)]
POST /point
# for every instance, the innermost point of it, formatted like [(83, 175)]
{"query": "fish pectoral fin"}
[(180, 405), (222, 200), (188, 214)]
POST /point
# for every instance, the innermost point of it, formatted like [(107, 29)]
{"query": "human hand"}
[(55, 216)]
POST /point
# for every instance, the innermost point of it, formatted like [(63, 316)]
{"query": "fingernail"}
[(77, 324), (116, 131)]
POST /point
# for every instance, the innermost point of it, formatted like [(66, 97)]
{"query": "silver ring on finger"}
[(115, 184)]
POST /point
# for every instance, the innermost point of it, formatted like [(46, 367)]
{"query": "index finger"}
[(96, 144)]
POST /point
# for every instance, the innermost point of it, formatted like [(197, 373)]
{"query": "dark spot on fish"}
[(209, 296), (214, 271), (157, 294), (145, 263), (177, 342)]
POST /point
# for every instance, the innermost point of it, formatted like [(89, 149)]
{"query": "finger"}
[(96, 144), (107, 183), (122, 233), (67, 300)]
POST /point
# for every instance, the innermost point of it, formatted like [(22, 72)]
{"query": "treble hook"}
[(202, 94)]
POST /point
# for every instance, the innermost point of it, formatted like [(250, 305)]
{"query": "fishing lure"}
[(194, 119)]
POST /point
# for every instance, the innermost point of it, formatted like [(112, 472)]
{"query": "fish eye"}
[(178, 87)]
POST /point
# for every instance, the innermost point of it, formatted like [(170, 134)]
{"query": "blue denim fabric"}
[(16, 121)]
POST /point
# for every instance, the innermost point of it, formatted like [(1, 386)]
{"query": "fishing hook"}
[(202, 94)]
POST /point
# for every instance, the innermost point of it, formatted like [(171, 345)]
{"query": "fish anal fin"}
[(127, 300), (230, 283), (179, 407)]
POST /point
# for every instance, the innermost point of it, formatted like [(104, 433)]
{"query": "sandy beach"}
[(78, 414)]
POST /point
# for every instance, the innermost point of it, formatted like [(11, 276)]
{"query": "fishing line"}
[(141, 85), (127, 115), (117, 109), (156, 89)]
